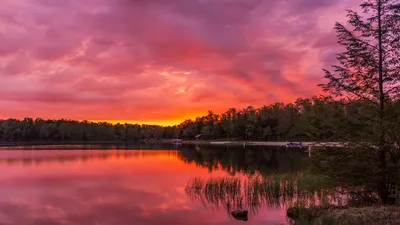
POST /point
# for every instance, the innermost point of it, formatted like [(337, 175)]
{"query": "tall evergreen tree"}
[(369, 70)]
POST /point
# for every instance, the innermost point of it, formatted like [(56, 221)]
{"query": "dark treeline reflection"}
[(250, 160)]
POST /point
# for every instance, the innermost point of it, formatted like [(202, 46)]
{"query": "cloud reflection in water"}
[(105, 187)]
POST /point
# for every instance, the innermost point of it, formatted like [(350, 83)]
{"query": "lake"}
[(110, 185)]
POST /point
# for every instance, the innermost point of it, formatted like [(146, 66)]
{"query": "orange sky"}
[(161, 123), (158, 62)]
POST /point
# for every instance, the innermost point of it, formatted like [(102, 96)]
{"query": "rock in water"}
[(291, 213), (240, 215)]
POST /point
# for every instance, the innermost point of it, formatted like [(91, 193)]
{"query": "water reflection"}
[(255, 193), (249, 160), (121, 186), (37, 157)]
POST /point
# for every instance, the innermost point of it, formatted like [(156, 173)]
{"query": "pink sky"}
[(160, 61)]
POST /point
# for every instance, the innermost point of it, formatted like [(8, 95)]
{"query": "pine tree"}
[(369, 70)]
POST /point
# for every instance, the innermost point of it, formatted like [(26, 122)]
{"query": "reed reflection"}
[(255, 192)]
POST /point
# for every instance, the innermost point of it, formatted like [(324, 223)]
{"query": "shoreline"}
[(261, 143), (178, 142)]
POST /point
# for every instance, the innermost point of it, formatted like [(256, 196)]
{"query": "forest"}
[(319, 118)]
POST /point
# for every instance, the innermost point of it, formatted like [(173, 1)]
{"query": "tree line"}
[(307, 119)]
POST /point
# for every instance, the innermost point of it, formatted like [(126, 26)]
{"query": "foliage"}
[(365, 215), (77, 131), (368, 71), (316, 119)]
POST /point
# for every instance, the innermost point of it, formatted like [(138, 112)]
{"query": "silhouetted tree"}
[(369, 70)]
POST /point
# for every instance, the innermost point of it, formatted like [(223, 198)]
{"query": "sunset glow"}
[(160, 123), (160, 62)]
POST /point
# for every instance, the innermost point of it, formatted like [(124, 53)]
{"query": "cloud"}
[(169, 56)]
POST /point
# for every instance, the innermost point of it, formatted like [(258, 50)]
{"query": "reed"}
[(275, 191)]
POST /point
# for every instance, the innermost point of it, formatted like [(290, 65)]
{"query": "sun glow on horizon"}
[(159, 123)]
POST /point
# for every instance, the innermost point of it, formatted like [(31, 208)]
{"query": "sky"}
[(161, 61)]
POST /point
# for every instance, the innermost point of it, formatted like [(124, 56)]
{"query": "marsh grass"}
[(389, 215), (274, 191)]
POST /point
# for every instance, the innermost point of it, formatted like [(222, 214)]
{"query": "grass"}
[(303, 197), (345, 215), (364, 215), (276, 191), (216, 192)]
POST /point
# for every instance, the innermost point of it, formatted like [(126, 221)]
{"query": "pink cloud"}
[(142, 60)]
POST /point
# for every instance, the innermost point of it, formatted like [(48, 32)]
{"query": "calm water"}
[(119, 186)]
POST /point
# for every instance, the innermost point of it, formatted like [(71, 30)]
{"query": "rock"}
[(240, 215), (291, 213)]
